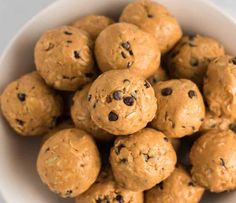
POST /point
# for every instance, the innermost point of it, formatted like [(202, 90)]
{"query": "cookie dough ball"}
[(178, 188), (29, 106), (125, 46), (191, 56), (142, 160), (68, 162), (63, 57), (180, 108), (121, 102), (212, 121), (213, 160), (220, 87), (159, 75), (155, 19), (93, 24), (109, 192), (81, 116)]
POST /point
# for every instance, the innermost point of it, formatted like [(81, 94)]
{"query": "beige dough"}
[(177, 188), (68, 162), (81, 116), (191, 56), (220, 87), (93, 24), (155, 19), (30, 107), (213, 160), (142, 160), (125, 46), (63, 57), (180, 108), (121, 102), (159, 75)]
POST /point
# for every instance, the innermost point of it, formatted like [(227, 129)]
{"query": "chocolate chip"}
[(191, 94), (191, 184), (146, 157), (119, 199), (48, 149), (123, 55), (95, 104), (21, 96), (222, 162), (108, 99), (166, 139), (77, 54), (126, 45), (129, 64), (69, 41), (112, 116), (123, 161), (202, 119), (131, 53), (129, 101), (149, 15), (173, 125), (126, 80), (232, 127), (146, 84), (166, 91), (194, 61), (89, 75), (161, 185), (117, 95), (193, 128), (234, 60), (50, 46), (67, 33), (68, 193), (118, 148), (89, 97), (20, 122)]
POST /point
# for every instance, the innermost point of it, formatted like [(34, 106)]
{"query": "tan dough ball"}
[(30, 107), (155, 19), (63, 57), (191, 56), (159, 75), (93, 24), (142, 160), (213, 158), (212, 121), (81, 116), (68, 162), (220, 87), (109, 192), (177, 188), (125, 46), (180, 108), (121, 102)]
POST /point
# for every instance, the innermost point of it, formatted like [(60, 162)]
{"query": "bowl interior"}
[(19, 181)]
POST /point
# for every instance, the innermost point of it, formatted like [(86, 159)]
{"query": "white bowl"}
[(19, 182)]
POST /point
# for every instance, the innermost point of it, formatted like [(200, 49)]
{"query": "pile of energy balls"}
[(114, 119)]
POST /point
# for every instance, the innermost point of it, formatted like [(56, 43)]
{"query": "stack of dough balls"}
[(115, 103)]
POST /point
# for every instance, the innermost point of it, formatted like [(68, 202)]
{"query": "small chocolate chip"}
[(193, 128), (77, 54), (21, 96), (126, 80), (119, 199), (95, 104), (166, 139), (117, 95), (112, 116), (193, 61), (48, 149), (67, 33), (131, 53), (202, 119), (173, 125), (191, 94), (129, 64), (129, 101), (68, 193), (20, 122), (149, 15), (108, 99), (50, 46), (123, 55), (161, 185), (146, 157), (222, 162), (234, 60), (89, 75), (146, 84), (126, 45), (69, 41), (123, 161), (191, 184), (89, 97), (118, 148), (166, 91)]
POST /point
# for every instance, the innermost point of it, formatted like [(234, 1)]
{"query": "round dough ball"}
[(177, 188), (64, 58), (109, 192), (93, 24), (121, 102), (180, 108), (68, 162), (159, 75), (81, 116), (191, 56), (213, 158), (30, 107), (125, 46), (220, 87), (142, 160), (155, 19), (212, 121)]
